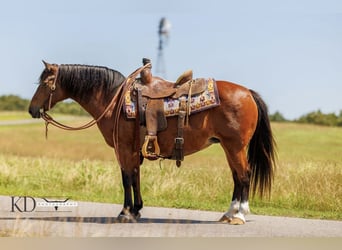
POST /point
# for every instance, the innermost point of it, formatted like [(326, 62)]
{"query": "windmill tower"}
[(163, 33)]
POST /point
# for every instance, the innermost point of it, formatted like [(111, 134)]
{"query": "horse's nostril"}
[(34, 112)]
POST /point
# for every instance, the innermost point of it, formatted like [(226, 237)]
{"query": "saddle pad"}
[(206, 100)]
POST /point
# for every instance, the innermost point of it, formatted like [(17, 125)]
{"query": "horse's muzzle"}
[(35, 112)]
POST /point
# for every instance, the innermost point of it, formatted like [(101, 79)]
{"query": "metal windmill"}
[(163, 33)]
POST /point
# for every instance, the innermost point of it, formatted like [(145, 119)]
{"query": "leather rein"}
[(124, 86)]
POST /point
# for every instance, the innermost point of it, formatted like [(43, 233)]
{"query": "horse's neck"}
[(95, 105)]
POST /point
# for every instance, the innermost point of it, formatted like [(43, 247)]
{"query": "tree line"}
[(16, 103), (315, 117)]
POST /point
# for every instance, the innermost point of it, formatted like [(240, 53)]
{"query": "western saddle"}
[(150, 94)]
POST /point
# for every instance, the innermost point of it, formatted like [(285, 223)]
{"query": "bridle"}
[(49, 119), (124, 86)]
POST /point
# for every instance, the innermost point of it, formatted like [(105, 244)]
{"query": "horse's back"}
[(236, 97), (232, 91)]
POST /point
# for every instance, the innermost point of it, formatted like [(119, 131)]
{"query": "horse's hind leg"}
[(239, 206)]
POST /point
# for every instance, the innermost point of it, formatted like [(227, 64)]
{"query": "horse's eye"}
[(50, 78)]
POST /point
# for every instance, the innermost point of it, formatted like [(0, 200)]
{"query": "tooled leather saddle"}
[(146, 102)]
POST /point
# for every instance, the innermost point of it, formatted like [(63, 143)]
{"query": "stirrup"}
[(150, 149)]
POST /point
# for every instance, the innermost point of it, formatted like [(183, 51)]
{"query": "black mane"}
[(83, 80)]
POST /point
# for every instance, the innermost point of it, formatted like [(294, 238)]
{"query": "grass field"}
[(81, 166), (13, 115)]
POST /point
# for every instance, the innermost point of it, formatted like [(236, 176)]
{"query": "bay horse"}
[(240, 124)]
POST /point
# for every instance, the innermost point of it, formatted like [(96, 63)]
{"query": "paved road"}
[(31, 121), (98, 219), (20, 122)]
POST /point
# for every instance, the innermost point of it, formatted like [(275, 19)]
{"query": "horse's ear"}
[(47, 65)]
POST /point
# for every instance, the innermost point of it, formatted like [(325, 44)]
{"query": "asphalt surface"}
[(80, 219), (19, 122)]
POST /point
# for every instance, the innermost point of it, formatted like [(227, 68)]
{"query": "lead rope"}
[(47, 122), (188, 109), (124, 87), (46, 129)]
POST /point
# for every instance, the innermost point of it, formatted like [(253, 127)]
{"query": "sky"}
[(288, 51)]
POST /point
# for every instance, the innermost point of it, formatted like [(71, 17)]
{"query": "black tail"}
[(261, 151)]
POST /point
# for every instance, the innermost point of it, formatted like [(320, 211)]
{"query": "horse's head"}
[(48, 92)]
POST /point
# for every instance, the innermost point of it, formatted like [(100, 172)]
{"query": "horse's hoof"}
[(225, 219), (137, 216), (236, 221), (127, 218)]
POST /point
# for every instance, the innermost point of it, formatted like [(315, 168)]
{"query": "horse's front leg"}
[(127, 213), (138, 202), (130, 211)]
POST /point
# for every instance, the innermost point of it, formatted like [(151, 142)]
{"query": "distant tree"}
[(277, 117), (71, 108), (339, 119), (16, 103), (13, 103), (317, 117)]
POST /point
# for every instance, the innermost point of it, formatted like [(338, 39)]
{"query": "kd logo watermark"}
[(23, 204), (29, 204)]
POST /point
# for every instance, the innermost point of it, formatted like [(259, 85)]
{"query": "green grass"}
[(302, 142), (80, 165)]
